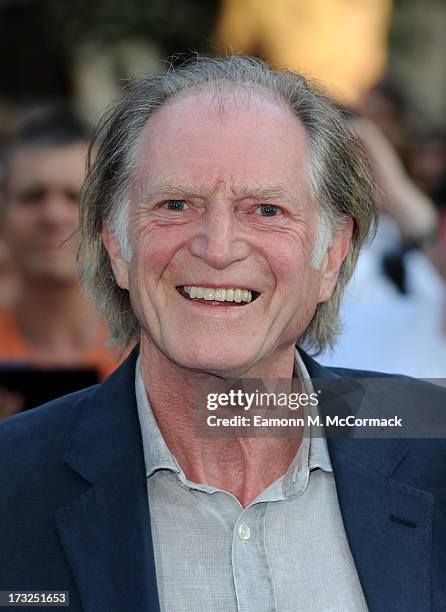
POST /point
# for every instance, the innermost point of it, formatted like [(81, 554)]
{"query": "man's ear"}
[(333, 259), (117, 261)]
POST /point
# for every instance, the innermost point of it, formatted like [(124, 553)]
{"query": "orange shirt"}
[(14, 348)]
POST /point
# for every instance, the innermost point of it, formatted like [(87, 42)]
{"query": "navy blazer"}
[(74, 513)]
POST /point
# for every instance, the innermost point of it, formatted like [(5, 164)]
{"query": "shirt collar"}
[(312, 453), (319, 456)]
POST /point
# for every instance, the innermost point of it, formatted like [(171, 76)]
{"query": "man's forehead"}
[(254, 106), (186, 140)]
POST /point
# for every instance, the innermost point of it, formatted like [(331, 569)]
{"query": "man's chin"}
[(213, 360)]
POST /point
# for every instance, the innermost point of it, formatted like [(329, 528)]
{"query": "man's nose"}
[(54, 210), (219, 238)]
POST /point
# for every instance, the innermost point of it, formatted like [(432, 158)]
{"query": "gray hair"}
[(339, 178)]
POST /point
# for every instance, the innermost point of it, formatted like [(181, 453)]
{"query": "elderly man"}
[(221, 219)]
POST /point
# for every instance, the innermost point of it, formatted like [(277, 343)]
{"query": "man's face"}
[(42, 209), (220, 202)]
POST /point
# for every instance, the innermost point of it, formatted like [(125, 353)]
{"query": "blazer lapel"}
[(106, 532), (388, 523)]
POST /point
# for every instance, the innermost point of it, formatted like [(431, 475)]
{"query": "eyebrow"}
[(258, 192), (174, 189), (264, 192)]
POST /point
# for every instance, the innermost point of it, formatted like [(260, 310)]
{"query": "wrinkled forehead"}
[(231, 136)]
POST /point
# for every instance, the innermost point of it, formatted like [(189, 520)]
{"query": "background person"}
[(398, 285), (50, 323)]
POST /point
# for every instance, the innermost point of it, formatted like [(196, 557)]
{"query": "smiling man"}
[(221, 219)]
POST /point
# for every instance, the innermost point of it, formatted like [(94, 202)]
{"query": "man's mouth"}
[(237, 296)]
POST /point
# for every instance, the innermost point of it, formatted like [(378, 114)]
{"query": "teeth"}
[(219, 295), (209, 294)]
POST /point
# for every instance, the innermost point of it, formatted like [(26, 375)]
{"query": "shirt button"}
[(243, 531)]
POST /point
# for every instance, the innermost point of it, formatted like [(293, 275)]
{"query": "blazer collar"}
[(108, 425)]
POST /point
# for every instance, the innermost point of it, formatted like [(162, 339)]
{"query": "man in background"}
[(51, 323)]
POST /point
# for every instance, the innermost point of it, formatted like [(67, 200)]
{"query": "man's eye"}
[(175, 205), (31, 197), (269, 210)]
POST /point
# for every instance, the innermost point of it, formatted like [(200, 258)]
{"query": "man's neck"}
[(57, 320), (242, 466)]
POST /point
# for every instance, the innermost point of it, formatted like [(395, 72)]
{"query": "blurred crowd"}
[(394, 312), (53, 340)]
